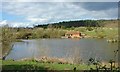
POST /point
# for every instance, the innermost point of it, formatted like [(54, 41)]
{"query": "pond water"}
[(64, 48)]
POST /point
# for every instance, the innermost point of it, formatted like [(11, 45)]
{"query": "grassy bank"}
[(45, 66), (33, 65)]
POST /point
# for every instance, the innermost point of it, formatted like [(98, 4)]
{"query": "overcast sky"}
[(22, 14)]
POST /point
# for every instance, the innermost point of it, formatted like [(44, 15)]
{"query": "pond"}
[(84, 49)]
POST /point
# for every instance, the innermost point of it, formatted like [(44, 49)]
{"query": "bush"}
[(89, 28)]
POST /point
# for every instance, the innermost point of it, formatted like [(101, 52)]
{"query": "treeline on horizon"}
[(80, 23)]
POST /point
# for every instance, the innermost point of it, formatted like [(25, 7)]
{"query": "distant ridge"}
[(82, 23)]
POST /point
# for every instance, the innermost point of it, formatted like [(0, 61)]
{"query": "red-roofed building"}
[(73, 34)]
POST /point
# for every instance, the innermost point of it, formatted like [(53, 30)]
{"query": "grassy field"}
[(100, 32)]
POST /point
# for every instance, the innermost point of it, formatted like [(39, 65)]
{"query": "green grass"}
[(31, 65), (108, 33)]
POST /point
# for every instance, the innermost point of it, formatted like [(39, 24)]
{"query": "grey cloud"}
[(97, 6)]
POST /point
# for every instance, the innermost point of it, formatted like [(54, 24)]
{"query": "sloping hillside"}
[(113, 23)]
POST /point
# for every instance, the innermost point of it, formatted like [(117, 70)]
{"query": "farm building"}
[(73, 34)]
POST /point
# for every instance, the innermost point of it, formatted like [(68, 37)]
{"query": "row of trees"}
[(39, 33), (58, 32), (79, 23)]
